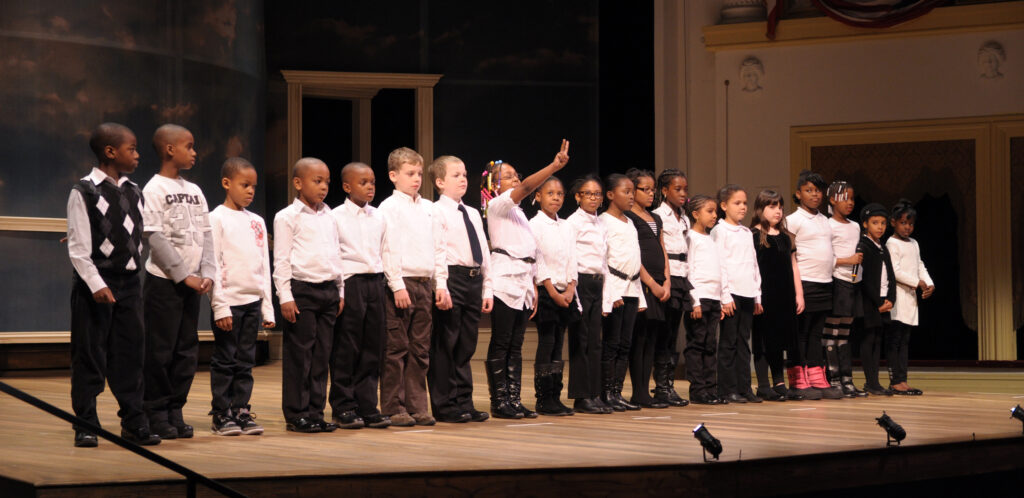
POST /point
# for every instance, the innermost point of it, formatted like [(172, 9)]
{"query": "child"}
[(585, 335), (813, 240), (623, 296), (513, 251), (557, 306), (358, 340), (670, 197), (411, 259), (911, 276), (240, 299), (461, 298), (878, 290), (649, 328), (782, 299), (311, 288), (741, 296), (845, 283), (105, 246), (176, 208), (707, 274)]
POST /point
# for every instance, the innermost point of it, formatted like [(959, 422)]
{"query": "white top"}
[(673, 235), (177, 208), (80, 233), (845, 237), (410, 249), (556, 255), (739, 260), (707, 273), (814, 256), (624, 256), (450, 229), (243, 262), (591, 242), (306, 248), (510, 230), (909, 270), (883, 284), (361, 232)]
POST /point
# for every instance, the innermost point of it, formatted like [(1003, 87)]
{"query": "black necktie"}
[(474, 242)]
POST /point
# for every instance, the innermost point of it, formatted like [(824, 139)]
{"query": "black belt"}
[(591, 276), (678, 257), (502, 251), (472, 271), (365, 276), (623, 276)]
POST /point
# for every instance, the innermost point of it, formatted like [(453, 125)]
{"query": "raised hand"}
[(563, 155)]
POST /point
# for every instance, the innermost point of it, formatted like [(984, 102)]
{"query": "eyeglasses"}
[(646, 190), (510, 177), (589, 195)]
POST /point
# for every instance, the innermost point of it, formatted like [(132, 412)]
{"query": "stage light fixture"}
[(708, 443), (1018, 413), (894, 433)]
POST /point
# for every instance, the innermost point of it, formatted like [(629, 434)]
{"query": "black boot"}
[(832, 363), (542, 384), (664, 373), (608, 386), (515, 385), (497, 384), (846, 371), (557, 367), (621, 366)]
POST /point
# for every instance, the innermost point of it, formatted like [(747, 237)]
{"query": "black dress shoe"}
[(586, 405), (326, 426), (625, 404), (877, 390), (477, 415), (377, 421), (349, 420), (454, 417), (85, 440), (650, 403), (751, 397), (770, 395), (164, 429), (703, 399), (851, 391), (185, 431), (303, 424), (913, 391), (734, 398), (140, 436)]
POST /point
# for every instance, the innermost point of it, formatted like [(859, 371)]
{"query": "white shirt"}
[(556, 257), (450, 229), (243, 262), (707, 273), (739, 260), (591, 242), (361, 233), (80, 233), (909, 270), (177, 208), (510, 231), (845, 237), (883, 285), (673, 235), (410, 249), (306, 248), (624, 256), (814, 256)]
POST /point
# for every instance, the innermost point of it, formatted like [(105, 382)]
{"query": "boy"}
[(460, 299), (240, 299), (878, 290), (177, 209), (311, 288), (411, 258), (105, 246), (359, 332)]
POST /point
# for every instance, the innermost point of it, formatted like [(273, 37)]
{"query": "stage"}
[(960, 428)]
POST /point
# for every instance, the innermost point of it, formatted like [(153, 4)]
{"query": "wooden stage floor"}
[(957, 407)]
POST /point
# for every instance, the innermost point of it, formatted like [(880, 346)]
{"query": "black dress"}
[(778, 296), (652, 257)]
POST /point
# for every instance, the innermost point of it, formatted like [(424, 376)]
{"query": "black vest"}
[(115, 218)]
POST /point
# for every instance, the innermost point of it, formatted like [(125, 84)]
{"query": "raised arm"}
[(528, 185)]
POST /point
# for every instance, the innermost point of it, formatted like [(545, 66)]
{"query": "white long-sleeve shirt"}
[(410, 248), (177, 208), (624, 256), (306, 248), (673, 235), (909, 270), (361, 236), (739, 260), (707, 273), (450, 229), (814, 256), (243, 262), (510, 231), (845, 237), (556, 255), (591, 242)]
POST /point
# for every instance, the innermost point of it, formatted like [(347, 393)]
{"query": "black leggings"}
[(809, 332)]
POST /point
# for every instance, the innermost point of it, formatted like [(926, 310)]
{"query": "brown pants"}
[(403, 384)]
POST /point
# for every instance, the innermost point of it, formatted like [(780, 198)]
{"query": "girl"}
[(650, 326), (845, 290), (557, 306), (741, 296), (671, 200), (622, 295), (911, 276), (707, 276), (878, 290), (813, 239), (591, 246), (782, 297)]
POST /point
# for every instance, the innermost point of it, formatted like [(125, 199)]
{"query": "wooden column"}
[(425, 135), (669, 86), (361, 135), (294, 132)]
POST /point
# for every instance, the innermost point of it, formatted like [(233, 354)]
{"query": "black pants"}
[(358, 345), (172, 346), (734, 348), (234, 355), (617, 331), (809, 351), (870, 354), (897, 349), (701, 345), (767, 345), (665, 344), (585, 341), (508, 328), (453, 343), (552, 322), (307, 349), (108, 345), (646, 334)]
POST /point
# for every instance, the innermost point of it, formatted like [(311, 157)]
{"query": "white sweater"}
[(909, 270)]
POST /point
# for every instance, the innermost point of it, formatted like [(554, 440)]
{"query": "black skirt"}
[(680, 299), (846, 299), (817, 296), (655, 308)]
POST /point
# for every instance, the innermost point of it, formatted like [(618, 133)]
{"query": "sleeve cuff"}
[(95, 283), (442, 284), (221, 312), (285, 295)]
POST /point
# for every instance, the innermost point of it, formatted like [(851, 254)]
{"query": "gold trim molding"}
[(28, 224)]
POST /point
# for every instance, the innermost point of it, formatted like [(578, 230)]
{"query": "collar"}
[(406, 197), (546, 219), (807, 214), (97, 177), (354, 208), (732, 228), (448, 202), (302, 207), (587, 216)]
